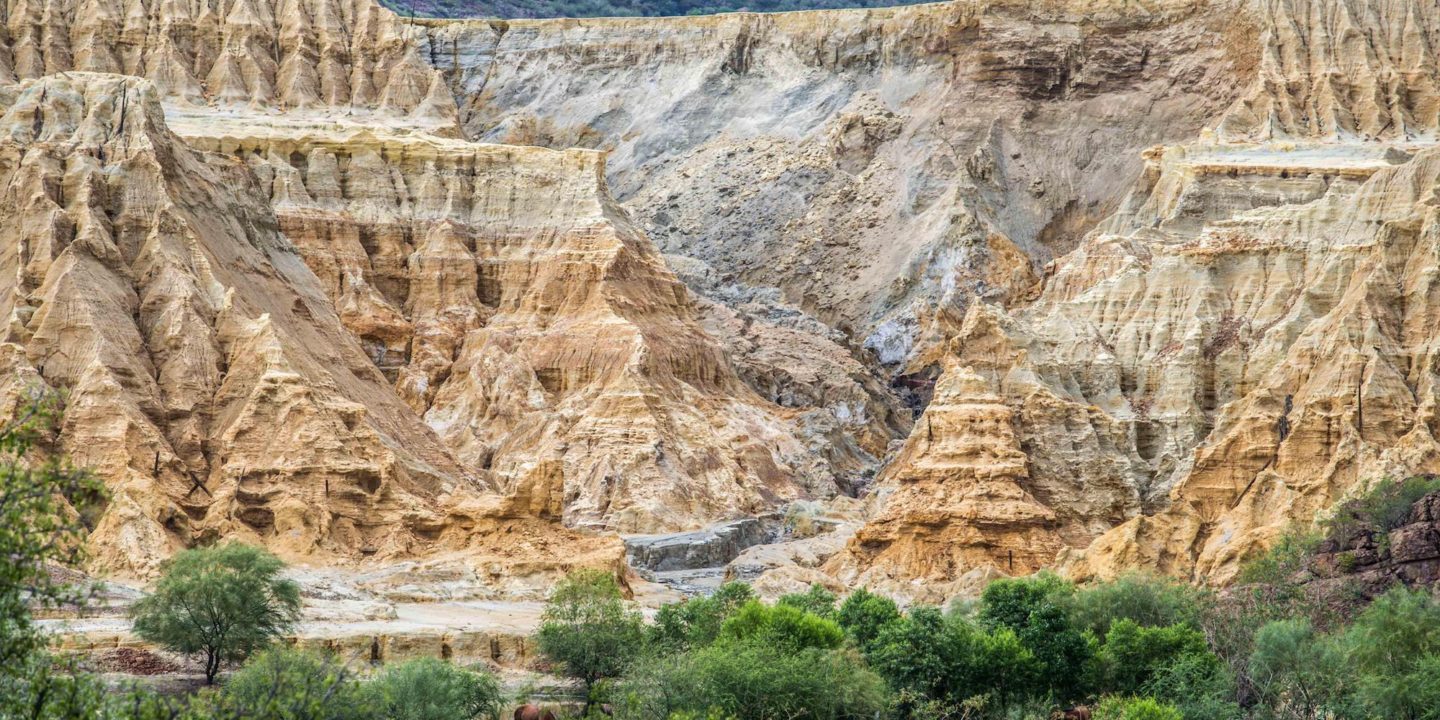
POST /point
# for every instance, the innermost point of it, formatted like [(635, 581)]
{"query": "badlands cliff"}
[(1090, 285)]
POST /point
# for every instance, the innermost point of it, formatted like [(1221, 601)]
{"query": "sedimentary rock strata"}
[(1137, 285), (953, 501), (208, 379), (879, 167)]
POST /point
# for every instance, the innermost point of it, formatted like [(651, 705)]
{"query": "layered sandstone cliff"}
[(953, 504), (514, 306), (295, 299), (207, 378), (518, 337), (1244, 343), (881, 168)]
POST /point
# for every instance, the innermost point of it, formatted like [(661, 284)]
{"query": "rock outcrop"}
[(306, 57), (295, 299), (881, 168), (953, 502), (208, 379), (515, 307), (1372, 562)]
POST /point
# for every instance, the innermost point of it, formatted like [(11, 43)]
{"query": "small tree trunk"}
[(212, 666)]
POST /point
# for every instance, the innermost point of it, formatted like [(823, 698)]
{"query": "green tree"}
[(1393, 647), (1116, 707), (282, 683), (44, 504), (223, 603), (783, 626), (754, 680), (1133, 655), (431, 689), (817, 601), (1035, 608), (930, 658), (1296, 672), (588, 631), (864, 614), (1148, 600), (1199, 686), (696, 622)]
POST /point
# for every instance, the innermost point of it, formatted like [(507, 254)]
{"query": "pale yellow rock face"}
[(881, 168), (1246, 341), (208, 379), (952, 502), (515, 307), (294, 301), (261, 55), (511, 350)]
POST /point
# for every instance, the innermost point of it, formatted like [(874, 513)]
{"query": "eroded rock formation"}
[(953, 504), (294, 299), (208, 378), (881, 168)]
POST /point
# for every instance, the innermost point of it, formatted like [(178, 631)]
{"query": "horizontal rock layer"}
[(208, 379)]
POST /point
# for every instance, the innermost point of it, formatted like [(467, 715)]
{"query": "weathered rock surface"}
[(954, 500), (1372, 562), (705, 548), (513, 304), (319, 315), (307, 57), (208, 379), (1243, 343), (879, 167)]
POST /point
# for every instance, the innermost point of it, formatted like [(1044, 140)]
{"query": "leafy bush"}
[(1133, 655), (931, 659), (1201, 687), (1035, 608), (1148, 600), (864, 614), (1297, 670), (223, 603), (431, 689), (587, 630), (39, 528), (782, 626), (696, 622), (1128, 708), (751, 679), (1382, 509), (816, 601), (288, 684), (1394, 650)]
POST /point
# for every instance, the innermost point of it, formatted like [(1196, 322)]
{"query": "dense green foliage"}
[(39, 527), (44, 505), (286, 684), (507, 9), (587, 630), (748, 678), (697, 621), (1116, 707), (223, 603), (431, 689), (1136, 648)]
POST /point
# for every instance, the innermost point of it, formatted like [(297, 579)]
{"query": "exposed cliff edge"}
[(208, 379), (881, 168), (1172, 265)]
